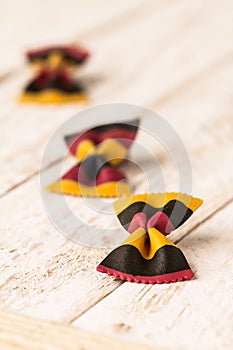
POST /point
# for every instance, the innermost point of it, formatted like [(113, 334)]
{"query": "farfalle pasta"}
[(147, 255), (99, 151), (53, 81)]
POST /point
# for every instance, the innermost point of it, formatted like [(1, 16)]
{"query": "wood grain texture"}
[(41, 267), (184, 315), (176, 58), (114, 75), (51, 21), (21, 333)]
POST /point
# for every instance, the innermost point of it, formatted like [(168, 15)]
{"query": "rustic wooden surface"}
[(175, 57), (24, 333)]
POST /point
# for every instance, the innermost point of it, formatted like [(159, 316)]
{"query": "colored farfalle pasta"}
[(99, 151), (147, 255), (53, 81)]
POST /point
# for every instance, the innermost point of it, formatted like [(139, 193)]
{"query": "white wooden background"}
[(175, 57)]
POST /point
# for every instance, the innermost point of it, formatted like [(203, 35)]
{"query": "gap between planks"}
[(183, 6), (117, 20), (198, 214), (197, 314), (176, 241), (213, 199), (24, 333), (160, 102), (112, 15)]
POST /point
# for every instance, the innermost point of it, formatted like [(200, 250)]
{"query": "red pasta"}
[(100, 152), (148, 256), (53, 81)]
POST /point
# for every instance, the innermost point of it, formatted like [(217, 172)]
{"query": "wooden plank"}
[(42, 268), (29, 118), (196, 314), (164, 63), (121, 78), (49, 21), (19, 332)]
